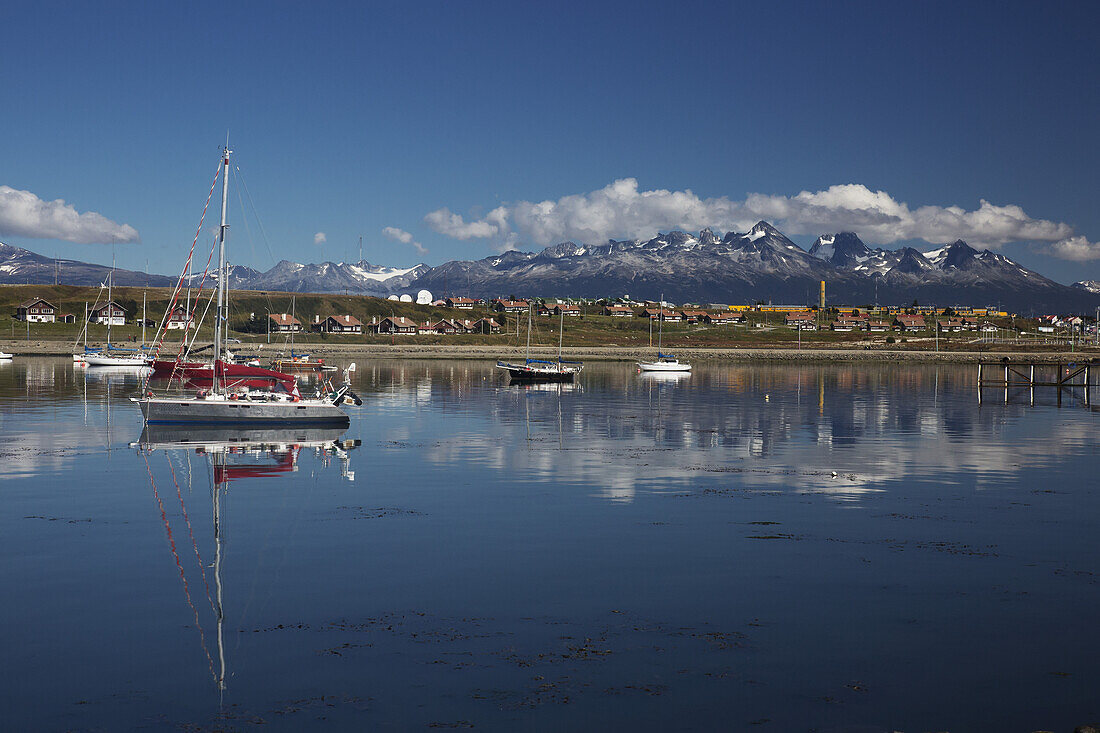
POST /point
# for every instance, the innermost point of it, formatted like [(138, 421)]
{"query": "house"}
[(442, 326), (36, 310), (338, 324), (399, 325), (66, 318), (544, 310), (110, 312), (180, 319), (664, 314), (989, 328), (909, 323), (724, 318), (565, 309), (877, 326), (283, 323), (693, 316), (463, 303), (485, 325), (501, 305), (465, 326), (841, 326), (950, 325), (618, 311), (802, 320)]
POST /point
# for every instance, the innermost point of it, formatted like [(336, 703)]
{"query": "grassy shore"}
[(591, 336)]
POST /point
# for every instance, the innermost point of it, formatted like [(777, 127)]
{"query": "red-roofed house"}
[(400, 326), (36, 310), (501, 305), (340, 324), (284, 323), (909, 323)]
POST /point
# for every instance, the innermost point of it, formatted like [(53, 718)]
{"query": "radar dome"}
[(393, 297), (406, 298), (424, 297)]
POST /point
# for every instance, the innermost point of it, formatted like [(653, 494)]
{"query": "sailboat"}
[(664, 362), (540, 370), (114, 356), (260, 397)]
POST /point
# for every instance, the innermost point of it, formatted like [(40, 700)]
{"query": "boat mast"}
[(561, 334), (218, 328), (110, 284), (529, 307), (660, 324)]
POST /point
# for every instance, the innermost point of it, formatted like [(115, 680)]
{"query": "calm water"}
[(750, 548)]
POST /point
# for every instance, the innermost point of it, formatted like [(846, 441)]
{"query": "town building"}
[(346, 323), (284, 323), (399, 325), (36, 310), (179, 319), (108, 313)]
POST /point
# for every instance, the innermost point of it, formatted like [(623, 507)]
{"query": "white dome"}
[(393, 297), (424, 297), (406, 298)]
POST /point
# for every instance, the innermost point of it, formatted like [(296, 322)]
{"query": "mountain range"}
[(761, 264)]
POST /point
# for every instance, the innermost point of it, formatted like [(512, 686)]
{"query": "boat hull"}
[(520, 373), (194, 411), (103, 360), (663, 366)]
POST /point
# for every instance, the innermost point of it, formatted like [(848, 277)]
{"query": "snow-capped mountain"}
[(20, 266), (1089, 286), (332, 277), (760, 264)]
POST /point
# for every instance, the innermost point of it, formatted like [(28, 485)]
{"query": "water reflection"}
[(227, 454)]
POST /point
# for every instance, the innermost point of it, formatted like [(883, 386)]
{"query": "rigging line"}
[(259, 223), (179, 565), (190, 531), (184, 346), (163, 329)]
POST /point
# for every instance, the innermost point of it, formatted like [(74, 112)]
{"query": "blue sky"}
[(348, 118)]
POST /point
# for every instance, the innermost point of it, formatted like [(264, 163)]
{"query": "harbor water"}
[(745, 547)]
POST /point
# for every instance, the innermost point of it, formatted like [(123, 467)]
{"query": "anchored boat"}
[(239, 394)]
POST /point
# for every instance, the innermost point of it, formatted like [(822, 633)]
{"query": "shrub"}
[(890, 339)]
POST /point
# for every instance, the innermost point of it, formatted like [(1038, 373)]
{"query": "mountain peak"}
[(843, 249)]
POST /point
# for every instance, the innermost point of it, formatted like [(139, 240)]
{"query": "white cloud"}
[(22, 214), (620, 210), (319, 238), (1078, 249), (452, 225), (404, 237)]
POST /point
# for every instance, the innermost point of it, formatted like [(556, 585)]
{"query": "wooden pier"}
[(1028, 375)]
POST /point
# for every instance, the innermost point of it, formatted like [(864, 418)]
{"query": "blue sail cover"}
[(665, 356)]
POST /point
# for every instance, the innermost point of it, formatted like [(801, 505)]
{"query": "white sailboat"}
[(114, 356), (664, 362), (233, 399)]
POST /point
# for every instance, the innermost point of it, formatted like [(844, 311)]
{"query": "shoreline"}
[(609, 353)]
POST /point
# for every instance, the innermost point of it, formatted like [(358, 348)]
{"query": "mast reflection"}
[(233, 453)]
